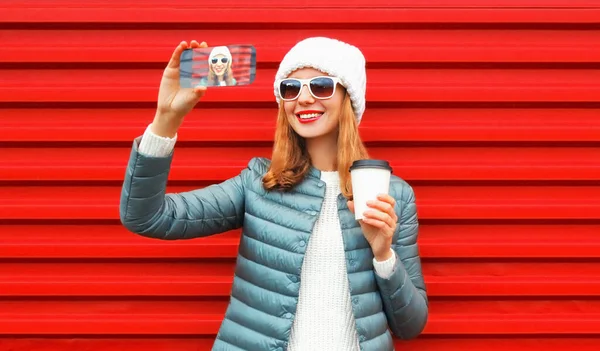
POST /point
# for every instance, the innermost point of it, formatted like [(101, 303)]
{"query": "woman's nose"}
[(305, 97)]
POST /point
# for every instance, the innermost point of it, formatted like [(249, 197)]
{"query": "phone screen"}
[(219, 66)]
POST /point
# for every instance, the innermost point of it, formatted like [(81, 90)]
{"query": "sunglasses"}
[(223, 60), (322, 87)]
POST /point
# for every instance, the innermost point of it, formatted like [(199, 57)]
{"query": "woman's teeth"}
[(310, 115)]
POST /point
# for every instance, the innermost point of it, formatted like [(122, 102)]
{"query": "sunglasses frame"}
[(306, 82)]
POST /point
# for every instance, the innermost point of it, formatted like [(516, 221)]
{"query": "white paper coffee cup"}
[(369, 179)]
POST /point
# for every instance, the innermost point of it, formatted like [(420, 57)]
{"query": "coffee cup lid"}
[(370, 164)]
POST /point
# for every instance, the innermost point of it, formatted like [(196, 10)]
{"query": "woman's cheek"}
[(289, 108)]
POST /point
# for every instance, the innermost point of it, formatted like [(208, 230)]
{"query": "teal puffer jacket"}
[(275, 227)]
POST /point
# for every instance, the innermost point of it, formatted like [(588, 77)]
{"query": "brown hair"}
[(291, 161)]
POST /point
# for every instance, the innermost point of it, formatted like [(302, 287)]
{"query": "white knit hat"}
[(220, 50), (333, 57)]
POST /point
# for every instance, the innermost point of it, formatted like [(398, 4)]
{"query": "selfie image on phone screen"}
[(219, 66)]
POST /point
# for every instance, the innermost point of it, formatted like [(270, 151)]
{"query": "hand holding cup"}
[(372, 206)]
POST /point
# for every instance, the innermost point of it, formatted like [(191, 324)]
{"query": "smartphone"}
[(219, 66)]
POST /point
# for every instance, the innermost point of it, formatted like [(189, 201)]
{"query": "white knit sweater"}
[(324, 318)]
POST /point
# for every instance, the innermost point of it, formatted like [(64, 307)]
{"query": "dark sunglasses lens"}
[(322, 87), (289, 88), (223, 60)]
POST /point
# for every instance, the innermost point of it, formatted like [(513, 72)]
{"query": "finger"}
[(194, 44), (380, 216), (375, 223), (203, 45), (176, 57), (198, 92), (390, 200), (382, 206), (387, 198), (351, 206)]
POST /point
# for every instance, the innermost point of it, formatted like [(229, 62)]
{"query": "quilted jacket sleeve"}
[(404, 293), (146, 208)]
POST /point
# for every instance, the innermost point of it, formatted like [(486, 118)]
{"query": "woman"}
[(308, 275), (219, 68)]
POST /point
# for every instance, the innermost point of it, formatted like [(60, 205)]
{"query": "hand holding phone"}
[(175, 101), (219, 66)]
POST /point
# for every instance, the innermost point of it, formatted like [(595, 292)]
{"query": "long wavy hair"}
[(290, 161)]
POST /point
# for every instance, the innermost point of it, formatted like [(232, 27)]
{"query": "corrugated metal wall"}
[(489, 108)]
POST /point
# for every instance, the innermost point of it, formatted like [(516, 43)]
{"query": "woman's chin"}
[(309, 132)]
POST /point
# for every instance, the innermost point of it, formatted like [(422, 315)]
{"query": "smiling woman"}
[(308, 275), (317, 116), (220, 70), (489, 109)]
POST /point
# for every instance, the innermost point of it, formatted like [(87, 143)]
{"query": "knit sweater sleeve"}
[(156, 146), (403, 292), (385, 268)]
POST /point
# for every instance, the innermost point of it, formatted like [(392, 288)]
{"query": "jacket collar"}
[(314, 173)]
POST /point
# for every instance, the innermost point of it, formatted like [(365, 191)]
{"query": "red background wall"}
[(490, 109)]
